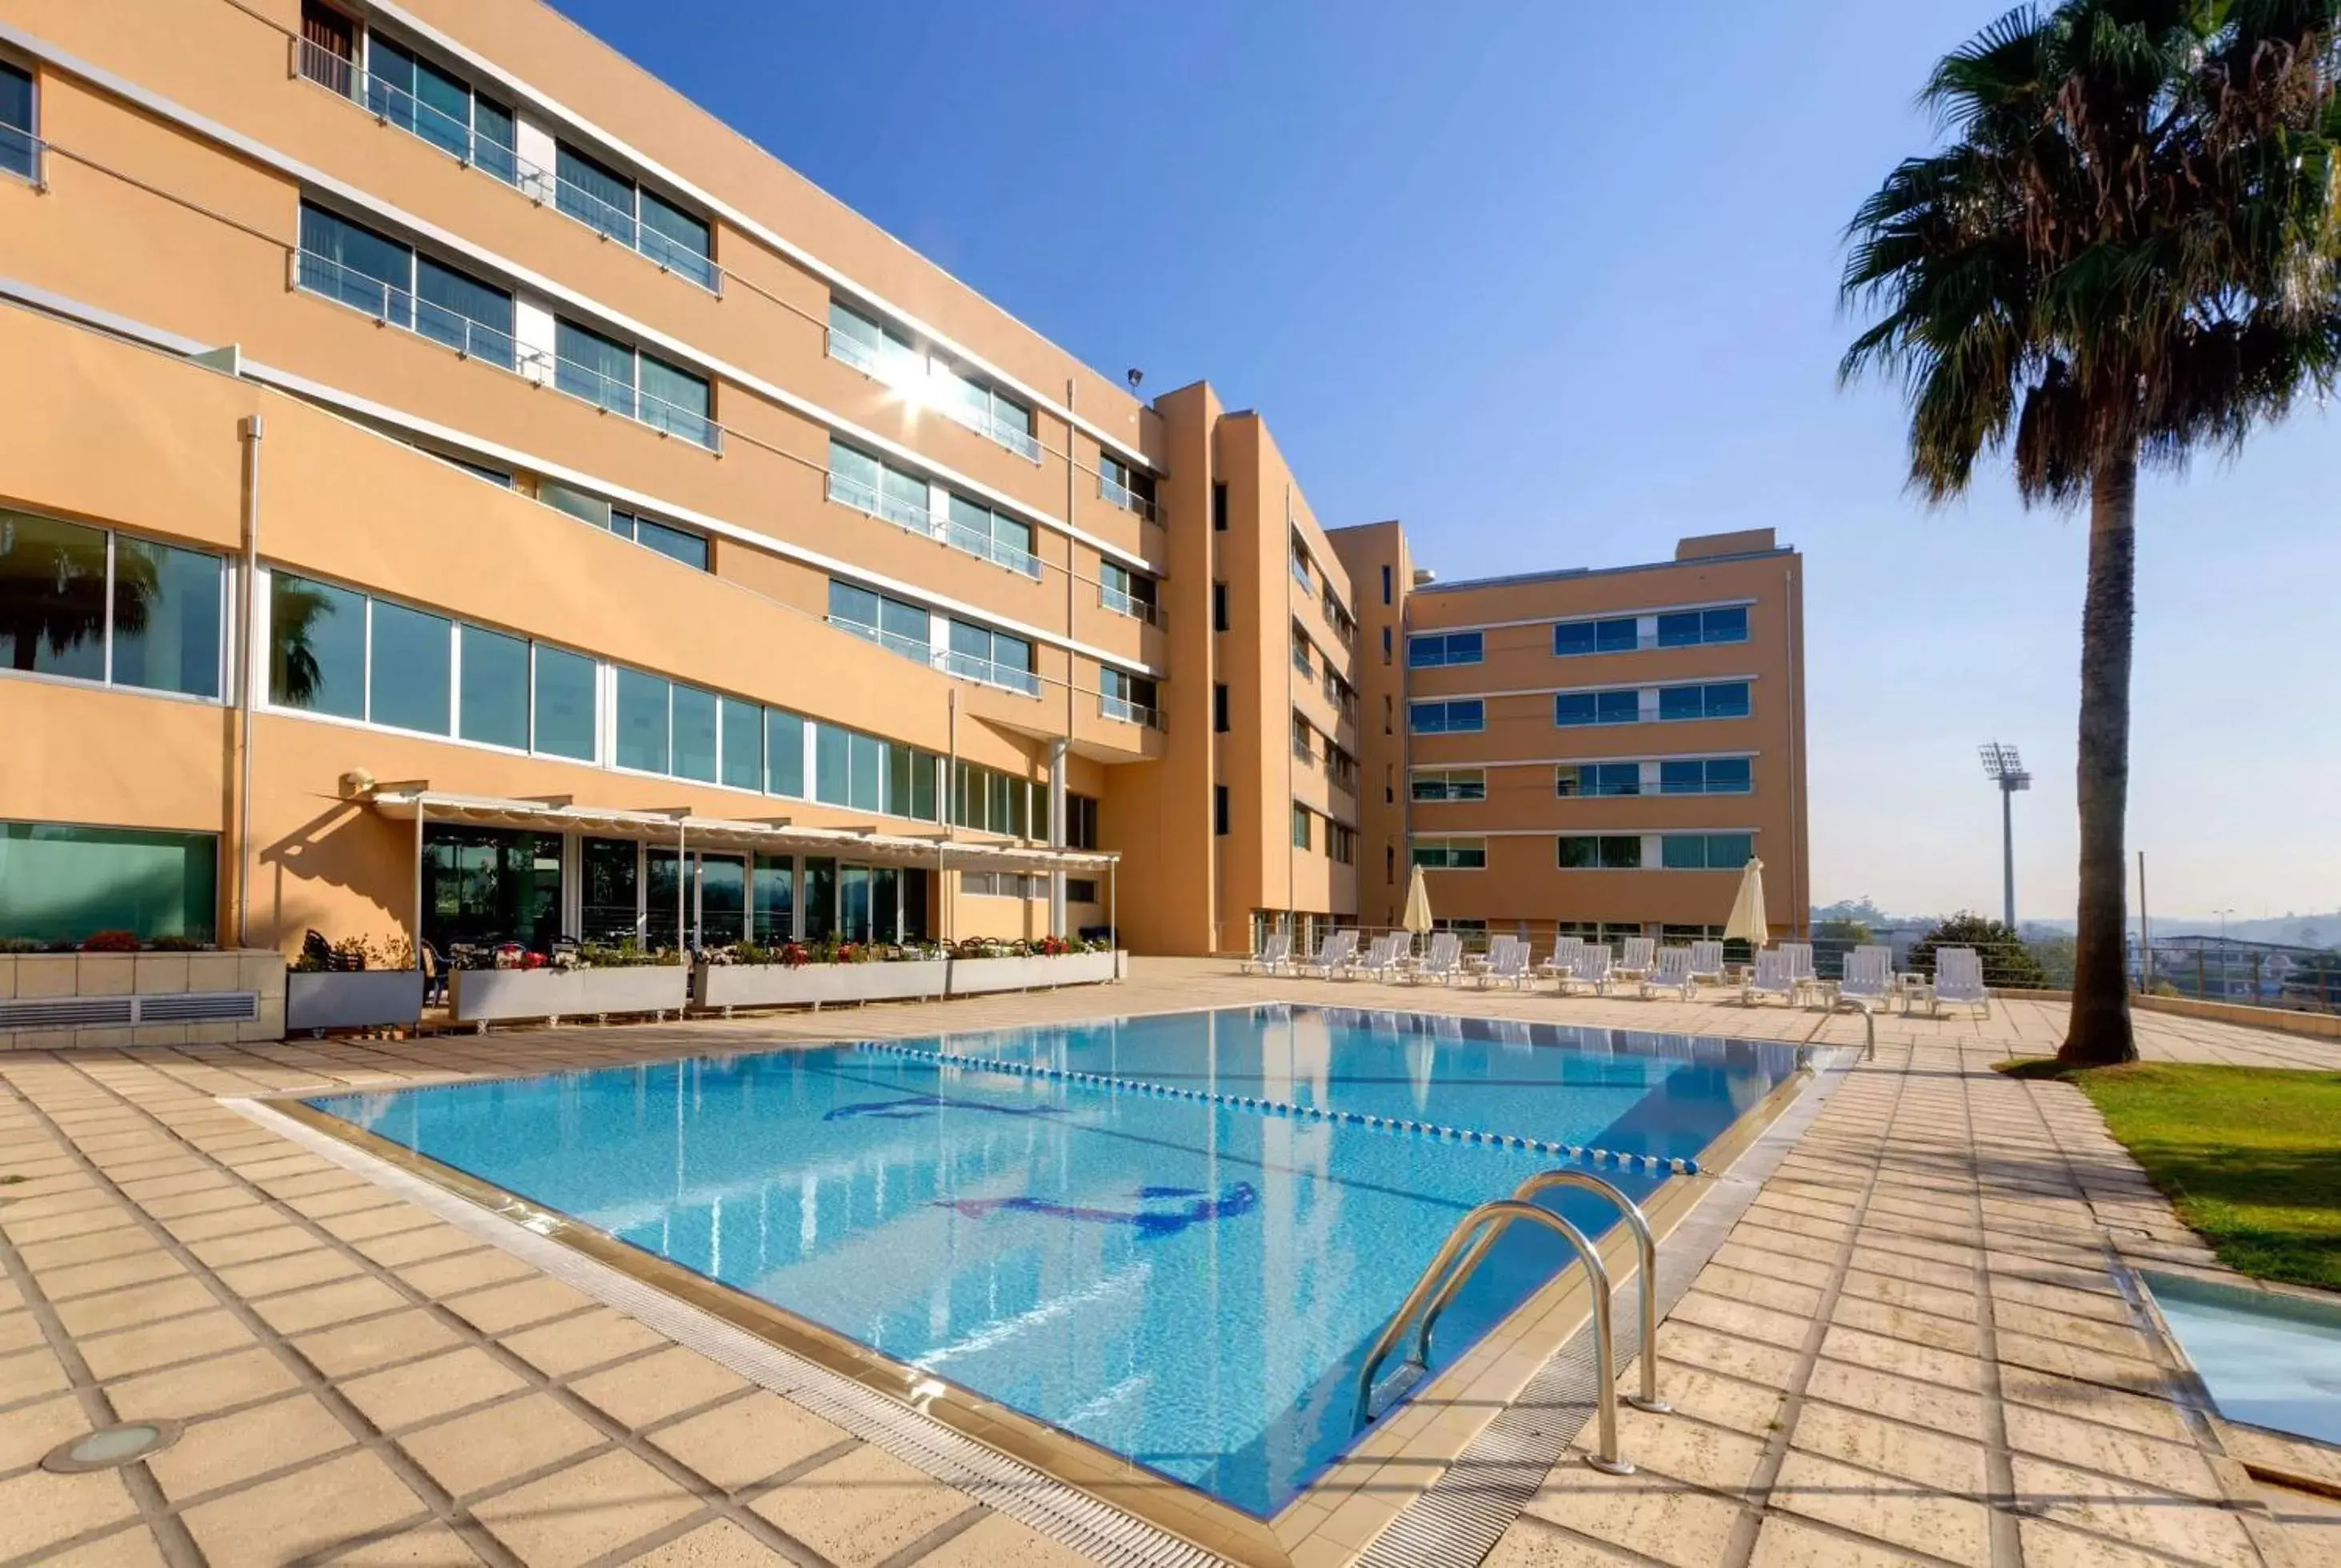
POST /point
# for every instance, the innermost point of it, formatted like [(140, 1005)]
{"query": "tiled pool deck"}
[(1912, 1348)]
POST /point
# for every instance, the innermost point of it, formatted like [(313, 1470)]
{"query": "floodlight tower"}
[(2004, 768)]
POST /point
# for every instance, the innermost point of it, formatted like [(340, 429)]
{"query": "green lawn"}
[(2251, 1155)]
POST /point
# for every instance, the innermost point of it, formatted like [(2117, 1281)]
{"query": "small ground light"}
[(110, 1446)]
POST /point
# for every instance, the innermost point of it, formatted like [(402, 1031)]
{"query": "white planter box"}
[(364, 999), (486, 996), (813, 984), (973, 976)]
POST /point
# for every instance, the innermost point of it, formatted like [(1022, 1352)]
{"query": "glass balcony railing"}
[(1129, 500), (914, 516), (989, 672), (20, 153), (1129, 712), (584, 381), (398, 308), (1124, 603), (1022, 562), (395, 105), (895, 643), (989, 426)]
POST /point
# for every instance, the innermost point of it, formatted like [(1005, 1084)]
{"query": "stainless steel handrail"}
[(1646, 1247), (1506, 1209)]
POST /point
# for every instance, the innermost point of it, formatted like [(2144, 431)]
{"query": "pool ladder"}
[(1480, 1230)]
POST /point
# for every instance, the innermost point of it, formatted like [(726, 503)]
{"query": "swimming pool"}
[(1090, 1223)]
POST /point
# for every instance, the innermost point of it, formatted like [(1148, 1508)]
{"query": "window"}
[(1340, 843), (612, 375), (1081, 821), (1727, 699), (1463, 717), (1218, 506), (1300, 655), (1008, 885), (565, 703), (1450, 854), (995, 536), (993, 658), (1386, 587), (643, 723), (1691, 627), (742, 725), (1218, 607), (1573, 708), (1458, 784), (1128, 698), (1707, 776), (994, 415), (18, 154), (492, 698), (1601, 851), (63, 882), (354, 265), (1386, 647), (1390, 865), (784, 754), (1125, 591), (418, 97), (1300, 559), (1300, 827), (872, 348), (1707, 851), (1570, 638), (609, 203), (1081, 890), (1389, 784), (1599, 779), (772, 892), (1432, 650), (1220, 706), (1219, 810), (991, 801), (898, 628), (316, 647), (694, 733), (89, 605), (674, 544), (610, 899), (409, 667)]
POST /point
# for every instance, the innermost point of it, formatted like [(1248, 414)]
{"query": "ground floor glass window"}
[(63, 883), (486, 885)]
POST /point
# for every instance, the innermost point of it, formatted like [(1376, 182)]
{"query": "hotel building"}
[(451, 484)]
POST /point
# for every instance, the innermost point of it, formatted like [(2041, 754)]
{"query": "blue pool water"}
[(2267, 1359), (1189, 1283)]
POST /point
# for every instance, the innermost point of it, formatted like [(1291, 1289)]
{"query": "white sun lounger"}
[(1670, 973), (1959, 980), (1636, 958), (1565, 951), (1707, 961), (1375, 958), (1508, 964), (1332, 956), (1774, 976), (1869, 977), (1274, 954), (1592, 969), (1443, 963)]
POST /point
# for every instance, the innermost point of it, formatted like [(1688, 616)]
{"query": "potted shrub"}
[(984, 964), (798, 974), (593, 979), (354, 984)]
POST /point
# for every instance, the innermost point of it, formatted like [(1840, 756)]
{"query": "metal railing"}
[(395, 105), (1129, 500), (958, 536), (1129, 712), (397, 307), (916, 518), (988, 425), (895, 642), (989, 672), (1505, 1210), (605, 391), (1303, 752), (1122, 604), (1300, 575), (22, 153)]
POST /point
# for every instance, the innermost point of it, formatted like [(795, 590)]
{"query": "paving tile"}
[(643, 1390), (723, 1544), (132, 1547), (426, 1390), (20, 1331), (2205, 1533), (862, 1508), (1946, 1463), (133, 1304), (134, 1350), (996, 1541), (1786, 1330), (202, 1387), (1902, 1358), (445, 1276), (232, 1448), (579, 1514), (250, 1247), (1742, 1358), (1686, 1450), (1897, 1512), (429, 1546), (499, 1443), (1786, 1543), (276, 1275), (43, 1256), (27, 1434), (321, 1306), (417, 1245), (38, 1510), (2047, 1545), (518, 1304), (1646, 1513), (572, 1345), (282, 1522), (740, 1443), (2177, 1468), (351, 1348)]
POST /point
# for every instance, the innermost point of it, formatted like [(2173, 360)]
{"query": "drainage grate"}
[(104, 1012)]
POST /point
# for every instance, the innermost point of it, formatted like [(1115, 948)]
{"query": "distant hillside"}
[(2289, 930)]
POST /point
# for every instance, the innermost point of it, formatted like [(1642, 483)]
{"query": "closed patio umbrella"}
[(1418, 905), (1746, 921)]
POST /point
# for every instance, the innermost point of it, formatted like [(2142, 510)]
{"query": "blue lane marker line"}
[(1646, 1164)]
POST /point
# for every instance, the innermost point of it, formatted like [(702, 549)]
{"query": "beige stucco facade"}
[(1144, 645)]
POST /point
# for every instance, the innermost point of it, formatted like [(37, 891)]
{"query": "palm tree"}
[(2123, 255)]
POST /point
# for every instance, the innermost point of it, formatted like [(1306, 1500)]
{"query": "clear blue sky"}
[(1557, 293)]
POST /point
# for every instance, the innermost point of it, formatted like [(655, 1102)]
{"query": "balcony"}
[(917, 519), (587, 385), (394, 106), (992, 428), (962, 666), (396, 307), (1122, 604), (1121, 495), (21, 154), (907, 371), (1129, 712)]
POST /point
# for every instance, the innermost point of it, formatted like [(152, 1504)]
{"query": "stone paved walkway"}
[(1913, 1348)]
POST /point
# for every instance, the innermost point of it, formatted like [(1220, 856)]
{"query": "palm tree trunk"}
[(2099, 1030)]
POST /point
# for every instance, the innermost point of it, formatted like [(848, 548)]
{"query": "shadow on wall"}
[(345, 872)]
